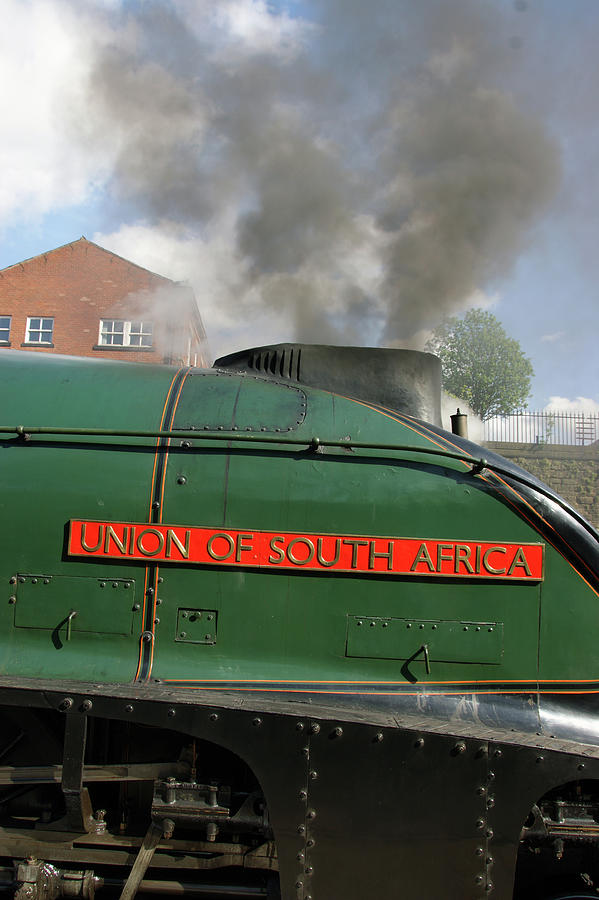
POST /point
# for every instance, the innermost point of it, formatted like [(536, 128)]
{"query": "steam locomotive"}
[(269, 631)]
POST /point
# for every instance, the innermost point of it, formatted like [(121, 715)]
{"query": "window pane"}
[(4, 329), (39, 330), (140, 334), (112, 331)]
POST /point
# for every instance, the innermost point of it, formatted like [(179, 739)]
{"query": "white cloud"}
[(552, 338), (578, 405), (253, 25), (245, 27), (43, 63)]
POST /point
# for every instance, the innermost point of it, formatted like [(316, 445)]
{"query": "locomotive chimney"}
[(404, 380)]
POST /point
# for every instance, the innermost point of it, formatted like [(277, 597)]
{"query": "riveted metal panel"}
[(412, 809), (196, 626), (383, 637), (214, 403), (75, 604)]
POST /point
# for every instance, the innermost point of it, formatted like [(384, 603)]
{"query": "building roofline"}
[(98, 247)]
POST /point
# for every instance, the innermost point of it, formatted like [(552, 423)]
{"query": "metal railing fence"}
[(574, 428)]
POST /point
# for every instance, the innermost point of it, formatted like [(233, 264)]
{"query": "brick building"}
[(82, 300)]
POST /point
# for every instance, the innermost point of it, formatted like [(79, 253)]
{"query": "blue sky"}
[(321, 171)]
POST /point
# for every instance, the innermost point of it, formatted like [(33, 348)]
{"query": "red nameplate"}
[(304, 551)]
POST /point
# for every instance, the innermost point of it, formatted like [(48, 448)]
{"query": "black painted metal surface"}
[(405, 380), (362, 802)]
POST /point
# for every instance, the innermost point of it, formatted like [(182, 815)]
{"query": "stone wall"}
[(573, 472)]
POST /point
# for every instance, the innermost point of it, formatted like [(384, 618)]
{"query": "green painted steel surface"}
[(271, 625), (49, 480)]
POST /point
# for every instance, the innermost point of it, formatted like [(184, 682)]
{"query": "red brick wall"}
[(77, 285)]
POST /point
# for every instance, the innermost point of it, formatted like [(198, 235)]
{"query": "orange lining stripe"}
[(164, 409), (424, 683), (142, 627), (398, 417), (380, 693), (162, 487), (143, 613)]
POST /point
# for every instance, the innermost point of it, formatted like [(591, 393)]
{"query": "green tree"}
[(481, 364)]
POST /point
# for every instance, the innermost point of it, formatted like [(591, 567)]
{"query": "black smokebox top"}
[(404, 380)]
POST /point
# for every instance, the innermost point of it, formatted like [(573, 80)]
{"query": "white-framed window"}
[(4, 329), (122, 333), (39, 330)]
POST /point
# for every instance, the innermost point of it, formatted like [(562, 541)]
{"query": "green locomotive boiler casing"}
[(363, 650)]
